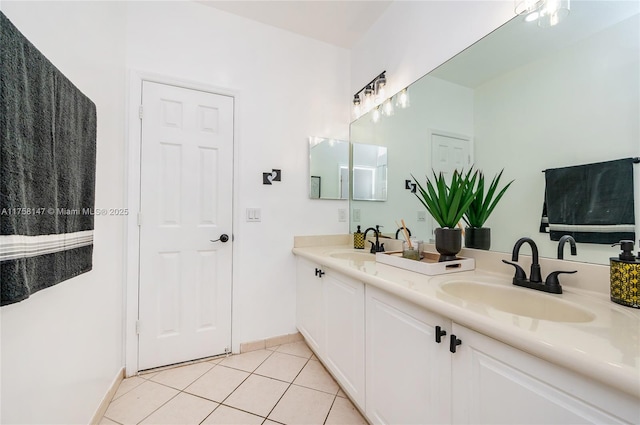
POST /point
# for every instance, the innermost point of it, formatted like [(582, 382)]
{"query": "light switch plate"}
[(342, 214), (422, 216), (253, 214), (356, 215)]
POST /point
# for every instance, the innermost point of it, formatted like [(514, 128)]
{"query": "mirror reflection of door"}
[(369, 172), (344, 182), (449, 152)]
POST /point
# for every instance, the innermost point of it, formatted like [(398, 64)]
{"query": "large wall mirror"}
[(328, 168), (527, 99)]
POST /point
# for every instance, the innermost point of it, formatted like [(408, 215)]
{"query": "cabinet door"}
[(344, 332), (494, 383), (309, 304), (408, 374)]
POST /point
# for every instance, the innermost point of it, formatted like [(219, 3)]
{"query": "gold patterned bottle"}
[(358, 239), (625, 276)]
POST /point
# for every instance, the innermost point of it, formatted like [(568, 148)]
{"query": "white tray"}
[(428, 265)]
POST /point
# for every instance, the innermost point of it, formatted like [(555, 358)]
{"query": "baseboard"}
[(261, 344), (104, 404)]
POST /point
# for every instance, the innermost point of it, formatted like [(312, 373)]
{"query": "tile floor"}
[(279, 385)]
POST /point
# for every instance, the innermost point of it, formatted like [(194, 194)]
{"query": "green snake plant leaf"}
[(484, 204), (447, 203)]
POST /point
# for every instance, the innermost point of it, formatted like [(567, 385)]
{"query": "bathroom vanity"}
[(467, 347)]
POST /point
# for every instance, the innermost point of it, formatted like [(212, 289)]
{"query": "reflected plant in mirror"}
[(527, 99), (328, 168), (475, 234)]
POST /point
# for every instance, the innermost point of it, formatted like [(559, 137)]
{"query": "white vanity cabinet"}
[(330, 315), (344, 332), (494, 383), (403, 370), (408, 374), (309, 315)]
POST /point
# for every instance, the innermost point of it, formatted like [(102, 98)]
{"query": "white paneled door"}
[(185, 206)]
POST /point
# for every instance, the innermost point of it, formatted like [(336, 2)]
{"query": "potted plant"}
[(447, 204), (477, 236)]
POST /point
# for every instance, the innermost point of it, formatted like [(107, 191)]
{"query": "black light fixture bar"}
[(371, 83)]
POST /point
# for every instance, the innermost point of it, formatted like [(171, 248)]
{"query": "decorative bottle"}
[(625, 276), (358, 239)]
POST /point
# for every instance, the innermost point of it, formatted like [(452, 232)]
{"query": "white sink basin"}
[(354, 256), (519, 301)]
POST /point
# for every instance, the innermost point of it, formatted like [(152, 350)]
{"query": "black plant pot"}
[(477, 237), (448, 243)]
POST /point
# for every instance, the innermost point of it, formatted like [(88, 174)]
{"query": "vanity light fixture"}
[(546, 13), (373, 94)]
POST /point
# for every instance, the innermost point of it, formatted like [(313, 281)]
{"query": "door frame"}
[(132, 158)]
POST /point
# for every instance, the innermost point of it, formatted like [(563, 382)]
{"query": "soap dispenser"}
[(625, 276), (358, 239)]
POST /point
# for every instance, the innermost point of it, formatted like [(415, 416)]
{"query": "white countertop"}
[(606, 349)]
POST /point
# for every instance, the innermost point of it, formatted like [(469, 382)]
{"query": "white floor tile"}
[(316, 377), (257, 395), (184, 409), (127, 385), (344, 413), (225, 415), (284, 367), (247, 361), (138, 403), (218, 383), (301, 405), (180, 377), (296, 348)]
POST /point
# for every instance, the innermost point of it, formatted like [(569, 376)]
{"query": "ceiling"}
[(341, 23)]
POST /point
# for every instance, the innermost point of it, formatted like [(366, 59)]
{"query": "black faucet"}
[(400, 230), (572, 243), (551, 284), (377, 247)]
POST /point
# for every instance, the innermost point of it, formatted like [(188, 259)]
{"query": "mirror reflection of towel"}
[(593, 202)]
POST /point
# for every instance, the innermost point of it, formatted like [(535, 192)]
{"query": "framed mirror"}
[(529, 99), (328, 168)]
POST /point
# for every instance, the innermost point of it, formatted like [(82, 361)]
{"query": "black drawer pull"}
[(454, 343), (439, 334)]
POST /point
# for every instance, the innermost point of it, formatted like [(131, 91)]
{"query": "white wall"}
[(62, 347), (413, 37), (290, 87)]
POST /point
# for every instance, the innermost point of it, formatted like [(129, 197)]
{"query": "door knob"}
[(223, 238)]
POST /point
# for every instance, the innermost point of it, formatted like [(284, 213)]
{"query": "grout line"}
[(285, 391), (330, 408)]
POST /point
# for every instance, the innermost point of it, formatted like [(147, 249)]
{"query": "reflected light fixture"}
[(402, 99), (546, 13), (375, 114), (387, 108)]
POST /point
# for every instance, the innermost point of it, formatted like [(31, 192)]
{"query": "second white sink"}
[(517, 301)]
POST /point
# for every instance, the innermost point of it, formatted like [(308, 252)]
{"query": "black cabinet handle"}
[(454, 343), (319, 272), (439, 334)]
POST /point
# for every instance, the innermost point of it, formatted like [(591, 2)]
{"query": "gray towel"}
[(47, 171)]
